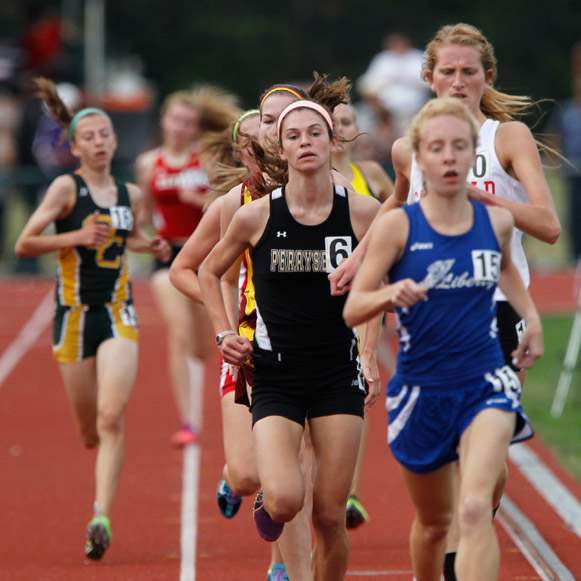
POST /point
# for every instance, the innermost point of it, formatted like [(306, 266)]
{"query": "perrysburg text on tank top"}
[(337, 249)]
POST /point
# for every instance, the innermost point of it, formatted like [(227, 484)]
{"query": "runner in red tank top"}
[(175, 187), (178, 193)]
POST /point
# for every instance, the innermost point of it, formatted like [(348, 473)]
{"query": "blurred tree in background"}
[(246, 46)]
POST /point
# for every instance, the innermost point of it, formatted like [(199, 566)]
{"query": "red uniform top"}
[(174, 219)]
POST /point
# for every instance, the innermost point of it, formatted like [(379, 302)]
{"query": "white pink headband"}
[(304, 104)]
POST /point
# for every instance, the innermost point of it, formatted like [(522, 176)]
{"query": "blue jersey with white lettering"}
[(452, 336)]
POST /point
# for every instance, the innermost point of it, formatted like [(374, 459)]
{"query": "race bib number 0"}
[(486, 265), (337, 248)]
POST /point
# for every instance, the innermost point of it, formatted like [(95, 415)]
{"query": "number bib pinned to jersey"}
[(486, 264), (121, 218), (337, 249)]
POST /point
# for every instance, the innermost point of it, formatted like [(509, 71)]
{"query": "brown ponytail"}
[(45, 90)]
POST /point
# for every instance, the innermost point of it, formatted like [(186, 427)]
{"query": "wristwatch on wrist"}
[(220, 336)]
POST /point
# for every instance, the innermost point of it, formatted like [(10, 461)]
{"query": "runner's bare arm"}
[(530, 346), (367, 298), (183, 272), (244, 230), (58, 203), (518, 152), (401, 156)]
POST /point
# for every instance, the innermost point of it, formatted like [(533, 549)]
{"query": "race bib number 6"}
[(337, 249)]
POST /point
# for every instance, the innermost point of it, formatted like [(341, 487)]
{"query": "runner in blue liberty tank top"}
[(452, 395)]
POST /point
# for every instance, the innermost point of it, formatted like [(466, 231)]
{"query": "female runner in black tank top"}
[(95, 222), (240, 472), (306, 363)]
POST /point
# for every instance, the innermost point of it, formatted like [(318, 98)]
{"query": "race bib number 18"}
[(121, 218)]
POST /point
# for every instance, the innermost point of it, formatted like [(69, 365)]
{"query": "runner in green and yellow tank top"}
[(93, 292), (95, 328), (95, 276)]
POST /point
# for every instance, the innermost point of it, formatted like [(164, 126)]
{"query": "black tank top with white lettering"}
[(296, 313)]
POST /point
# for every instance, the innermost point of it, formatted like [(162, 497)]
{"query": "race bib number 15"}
[(486, 264)]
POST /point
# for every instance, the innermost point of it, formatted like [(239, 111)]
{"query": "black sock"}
[(449, 560)]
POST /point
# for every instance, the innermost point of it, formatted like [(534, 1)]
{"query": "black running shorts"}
[(510, 326), (300, 389)]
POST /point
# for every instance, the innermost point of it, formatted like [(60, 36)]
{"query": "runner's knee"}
[(434, 528), (327, 517), (242, 483), (282, 506), (109, 422), (473, 511)]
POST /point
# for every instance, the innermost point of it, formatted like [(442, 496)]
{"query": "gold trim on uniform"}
[(69, 348), (246, 328), (124, 321), (121, 292), (69, 262)]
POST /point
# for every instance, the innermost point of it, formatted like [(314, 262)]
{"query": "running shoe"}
[(267, 528), (98, 537), (185, 436), (355, 513), (277, 573), (228, 501)]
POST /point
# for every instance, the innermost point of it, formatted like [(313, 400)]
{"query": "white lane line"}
[(531, 544), (28, 336), (192, 457), (189, 515), (548, 486)]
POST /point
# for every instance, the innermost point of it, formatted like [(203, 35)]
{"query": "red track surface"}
[(46, 480)]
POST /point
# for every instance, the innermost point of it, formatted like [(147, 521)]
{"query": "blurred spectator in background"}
[(43, 153), (9, 114), (378, 136), (42, 41), (566, 125), (393, 81)]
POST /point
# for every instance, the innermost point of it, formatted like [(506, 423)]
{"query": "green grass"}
[(561, 435)]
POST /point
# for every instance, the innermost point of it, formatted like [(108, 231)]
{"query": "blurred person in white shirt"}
[(393, 80)]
